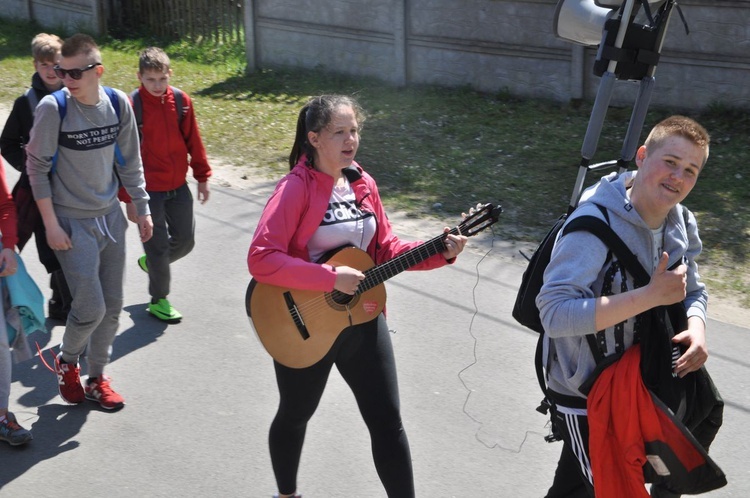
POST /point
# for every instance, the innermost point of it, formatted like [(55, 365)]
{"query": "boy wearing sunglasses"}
[(45, 50), (81, 212)]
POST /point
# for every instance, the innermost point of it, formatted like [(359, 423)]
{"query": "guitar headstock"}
[(479, 218)]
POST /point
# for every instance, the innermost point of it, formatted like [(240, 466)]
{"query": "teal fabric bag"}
[(23, 304)]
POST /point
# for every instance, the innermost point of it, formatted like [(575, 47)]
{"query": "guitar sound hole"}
[(339, 300)]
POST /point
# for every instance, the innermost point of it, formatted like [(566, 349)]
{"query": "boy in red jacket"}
[(169, 134)]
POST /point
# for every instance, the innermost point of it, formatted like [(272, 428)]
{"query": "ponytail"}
[(314, 116), (300, 138)]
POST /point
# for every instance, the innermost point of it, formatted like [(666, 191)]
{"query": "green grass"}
[(431, 146)]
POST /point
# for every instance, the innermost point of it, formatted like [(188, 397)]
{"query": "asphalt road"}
[(201, 394)]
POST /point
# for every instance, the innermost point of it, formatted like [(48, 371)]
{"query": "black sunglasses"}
[(75, 74)]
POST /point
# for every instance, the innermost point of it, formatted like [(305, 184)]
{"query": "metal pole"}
[(250, 41)]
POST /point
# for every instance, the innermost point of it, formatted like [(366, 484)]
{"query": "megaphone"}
[(582, 21)]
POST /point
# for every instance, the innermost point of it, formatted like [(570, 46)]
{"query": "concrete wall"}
[(490, 45), (71, 15), (497, 46)]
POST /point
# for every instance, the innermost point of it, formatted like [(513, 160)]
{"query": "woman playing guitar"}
[(325, 202)]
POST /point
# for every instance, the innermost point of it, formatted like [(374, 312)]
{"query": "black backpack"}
[(525, 310), (657, 374)]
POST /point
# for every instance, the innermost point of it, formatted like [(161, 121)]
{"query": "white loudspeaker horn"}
[(582, 21)]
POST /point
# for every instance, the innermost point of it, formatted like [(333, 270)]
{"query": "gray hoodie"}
[(577, 271), (84, 183)]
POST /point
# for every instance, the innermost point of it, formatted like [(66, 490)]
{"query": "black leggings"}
[(363, 355)]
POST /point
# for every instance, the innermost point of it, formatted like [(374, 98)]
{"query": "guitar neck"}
[(382, 272)]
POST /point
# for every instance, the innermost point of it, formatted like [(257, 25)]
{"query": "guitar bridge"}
[(296, 316)]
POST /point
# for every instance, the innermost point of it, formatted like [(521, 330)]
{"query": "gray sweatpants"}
[(94, 269)]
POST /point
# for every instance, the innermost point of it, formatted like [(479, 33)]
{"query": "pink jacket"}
[(278, 253)]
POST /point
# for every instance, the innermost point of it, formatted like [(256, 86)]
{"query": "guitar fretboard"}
[(380, 273)]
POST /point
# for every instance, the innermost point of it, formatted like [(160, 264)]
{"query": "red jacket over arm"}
[(8, 220)]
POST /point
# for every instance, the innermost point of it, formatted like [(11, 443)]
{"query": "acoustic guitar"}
[(298, 327)]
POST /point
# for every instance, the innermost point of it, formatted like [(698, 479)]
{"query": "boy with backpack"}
[(170, 142), (85, 135), (586, 289), (45, 50)]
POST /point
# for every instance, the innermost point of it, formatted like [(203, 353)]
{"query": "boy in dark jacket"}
[(45, 49), (170, 142)]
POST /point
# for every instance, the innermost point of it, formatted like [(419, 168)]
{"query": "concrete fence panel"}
[(490, 45), (71, 15), (498, 46)]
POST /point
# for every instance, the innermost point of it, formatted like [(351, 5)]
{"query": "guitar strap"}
[(352, 174)]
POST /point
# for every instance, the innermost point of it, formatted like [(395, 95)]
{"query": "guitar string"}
[(475, 361), (320, 304)]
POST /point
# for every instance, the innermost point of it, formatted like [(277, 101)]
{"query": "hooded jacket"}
[(278, 253), (17, 128), (581, 265), (167, 141)]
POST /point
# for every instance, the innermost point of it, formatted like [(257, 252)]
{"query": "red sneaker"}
[(69, 381), (100, 391)]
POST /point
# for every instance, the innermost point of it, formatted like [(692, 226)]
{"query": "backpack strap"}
[(115, 100), (179, 104), (32, 98), (135, 97), (605, 233), (352, 174), (62, 109), (62, 102)]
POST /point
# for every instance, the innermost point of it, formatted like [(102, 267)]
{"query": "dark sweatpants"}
[(573, 477), (174, 236), (363, 355)]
